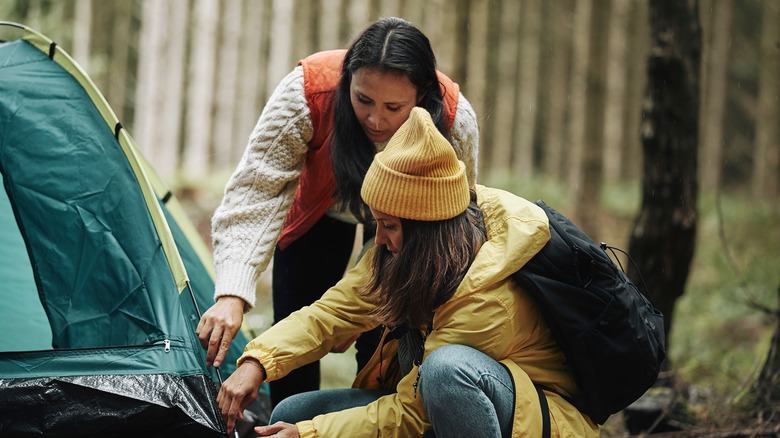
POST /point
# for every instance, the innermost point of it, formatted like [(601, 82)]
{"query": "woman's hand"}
[(219, 326), (239, 390), (279, 430)]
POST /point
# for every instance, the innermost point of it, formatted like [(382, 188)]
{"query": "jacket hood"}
[(517, 229)]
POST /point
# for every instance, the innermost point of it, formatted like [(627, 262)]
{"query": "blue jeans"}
[(465, 392)]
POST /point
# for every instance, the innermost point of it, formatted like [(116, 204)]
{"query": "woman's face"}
[(382, 101), (388, 231)]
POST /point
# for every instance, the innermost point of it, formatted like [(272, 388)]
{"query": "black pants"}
[(302, 272)]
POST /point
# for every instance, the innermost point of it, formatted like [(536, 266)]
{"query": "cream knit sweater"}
[(260, 192)]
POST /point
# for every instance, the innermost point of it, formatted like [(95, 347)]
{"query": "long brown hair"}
[(428, 268)]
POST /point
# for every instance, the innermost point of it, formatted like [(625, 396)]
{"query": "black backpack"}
[(611, 334)]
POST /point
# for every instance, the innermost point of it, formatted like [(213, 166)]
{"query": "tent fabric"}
[(95, 263), (103, 277), (17, 277)]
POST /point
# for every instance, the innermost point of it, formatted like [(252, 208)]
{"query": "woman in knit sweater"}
[(466, 350), (296, 192)]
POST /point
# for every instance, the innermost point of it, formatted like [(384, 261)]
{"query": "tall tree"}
[(507, 80), (251, 78), (159, 88), (587, 199), (638, 47), (714, 88), (345, 25), (490, 93), (315, 23), (585, 182), (264, 74), (461, 53), (476, 78), (766, 159), (279, 60), (200, 95), (119, 57), (227, 80), (616, 82), (169, 120), (559, 21), (578, 83), (148, 90), (81, 32), (664, 234), (527, 93), (302, 13)]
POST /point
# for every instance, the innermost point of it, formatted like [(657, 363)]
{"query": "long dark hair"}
[(428, 268), (390, 44)]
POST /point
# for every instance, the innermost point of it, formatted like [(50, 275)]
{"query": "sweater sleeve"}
[(258, 196), (465, 137)]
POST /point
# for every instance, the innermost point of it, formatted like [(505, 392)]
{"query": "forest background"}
[(188, 79)]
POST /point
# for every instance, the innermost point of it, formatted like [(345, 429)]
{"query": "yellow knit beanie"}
[(417, 176)]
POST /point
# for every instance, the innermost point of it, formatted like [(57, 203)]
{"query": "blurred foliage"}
[(721, 337)]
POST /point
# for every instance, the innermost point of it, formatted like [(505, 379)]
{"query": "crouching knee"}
[(441, 372)]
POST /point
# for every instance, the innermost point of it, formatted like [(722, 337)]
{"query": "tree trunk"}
[(715, 86), (266, 29), (577, 101), (301, 21), (315, 24), (160, 84), (251, 77), (616, 82), (435, 25), (587, 190), (119, 58), (524, 127), (81, 33), (148, 90), (560, 22), (506, 79), (476, 79), (172, 78), (490, 93), (461, 55), (279, 60), (637, 81), (664, 235), (200, 96), (329, 27), (766, 159), (33, 15), (226, 87), (345, 25)]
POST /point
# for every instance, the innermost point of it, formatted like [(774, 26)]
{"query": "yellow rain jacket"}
[(488, 312)]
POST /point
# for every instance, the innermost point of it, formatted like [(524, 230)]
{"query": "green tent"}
[(102, 277)]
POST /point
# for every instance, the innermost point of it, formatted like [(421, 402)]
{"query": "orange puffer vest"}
[(314, 196)]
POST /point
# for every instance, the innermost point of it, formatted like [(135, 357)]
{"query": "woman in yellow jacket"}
[(464, 347)]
